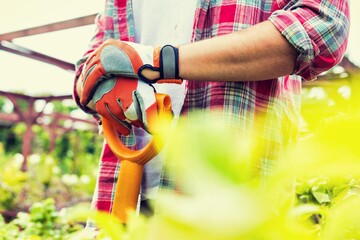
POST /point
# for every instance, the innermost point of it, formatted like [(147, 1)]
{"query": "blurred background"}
[(48, 147)]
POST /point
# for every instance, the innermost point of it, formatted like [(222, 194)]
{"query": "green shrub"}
[(313, 196), (44, 179), (42, 222)]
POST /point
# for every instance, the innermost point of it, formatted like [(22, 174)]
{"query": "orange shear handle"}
[(132, 161)]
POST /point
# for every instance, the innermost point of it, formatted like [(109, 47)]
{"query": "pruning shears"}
[(132, 161)]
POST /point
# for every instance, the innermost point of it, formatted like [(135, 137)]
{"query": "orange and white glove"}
[(111, 80), (118, 58), (125, 102)]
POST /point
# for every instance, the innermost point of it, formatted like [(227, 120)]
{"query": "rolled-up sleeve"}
[(318, 30)]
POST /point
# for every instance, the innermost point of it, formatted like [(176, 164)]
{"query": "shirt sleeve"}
[(102, 32), (317, 29)]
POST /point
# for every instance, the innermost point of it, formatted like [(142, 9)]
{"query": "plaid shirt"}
[(317, 29)]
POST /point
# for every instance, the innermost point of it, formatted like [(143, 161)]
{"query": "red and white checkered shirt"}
[(317, 29)]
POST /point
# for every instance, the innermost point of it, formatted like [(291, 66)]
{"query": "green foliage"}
[(315, 196), (337, 97), (65, 106), (67, 174), (42, 222), (12, 181), (69, 144), (2, 103), (10, 139), (223, 197), (44, 178), (325, 191), (78, 151)]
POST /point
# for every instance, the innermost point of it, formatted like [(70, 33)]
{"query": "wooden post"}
[(26, 145)]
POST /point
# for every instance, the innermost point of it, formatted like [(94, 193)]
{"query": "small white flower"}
[(34, 159), (18, 159), (55, 170), (85, 179), (23, 215), (49, 160), (69, 179), (62, 213)]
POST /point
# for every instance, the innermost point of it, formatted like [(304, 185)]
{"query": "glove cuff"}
[(169, 62), (166, 62)]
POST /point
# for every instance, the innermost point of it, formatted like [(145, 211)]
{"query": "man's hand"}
[(125, 102), (117, 58), (112, 58)]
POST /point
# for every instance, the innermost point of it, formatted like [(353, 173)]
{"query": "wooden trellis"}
[(31, 117)]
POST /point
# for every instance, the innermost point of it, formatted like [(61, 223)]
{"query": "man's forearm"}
[(257, 53)]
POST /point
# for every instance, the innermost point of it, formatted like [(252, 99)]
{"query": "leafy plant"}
[(222, 198), (44, 179), (42, 222)]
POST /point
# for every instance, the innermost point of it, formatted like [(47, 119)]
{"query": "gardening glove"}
[(125, 102), (117, 58)]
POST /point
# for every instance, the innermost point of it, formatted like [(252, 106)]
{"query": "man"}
[(247, 58)]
